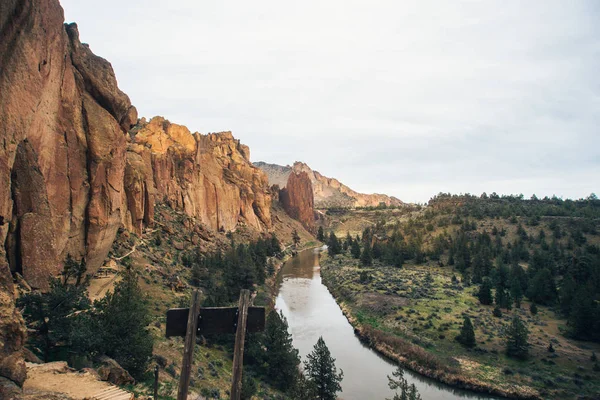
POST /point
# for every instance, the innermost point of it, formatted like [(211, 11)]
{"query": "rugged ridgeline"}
[(328, 192), (75, 164)]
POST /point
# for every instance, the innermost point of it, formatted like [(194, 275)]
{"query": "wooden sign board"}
[(214, 320)]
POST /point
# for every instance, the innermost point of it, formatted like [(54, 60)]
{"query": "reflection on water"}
[(312, 312)]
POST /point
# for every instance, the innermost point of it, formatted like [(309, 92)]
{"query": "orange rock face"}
[(63, 155), (210, 176), (298, 201), (70, 173)]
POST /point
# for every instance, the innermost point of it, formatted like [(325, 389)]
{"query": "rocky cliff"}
[(210, 177), (297, 199), (75, 165), (71, 172), (328, 192)]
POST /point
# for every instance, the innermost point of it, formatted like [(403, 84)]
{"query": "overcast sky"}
[(407, 98)]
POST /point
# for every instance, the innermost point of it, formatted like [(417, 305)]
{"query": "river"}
[(311, 312)]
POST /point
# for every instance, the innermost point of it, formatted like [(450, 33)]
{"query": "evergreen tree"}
[(303, 389), (399, 382), (376, 251), (321, 371), (533, 309), (467, 334), (497, 312), (347, 241), (485, 292), (516, 339), (295, 238), (320, 234), (123, 319), (582, 317), (55, 316), (355, 249), (334, 246), (516, 292), (542, 288), (281, 358), (366, 258), (567, 293)]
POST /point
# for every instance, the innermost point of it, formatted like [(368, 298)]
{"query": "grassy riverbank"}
[(412, 315)]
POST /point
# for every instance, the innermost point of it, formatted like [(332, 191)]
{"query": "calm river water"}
[(311, 312)]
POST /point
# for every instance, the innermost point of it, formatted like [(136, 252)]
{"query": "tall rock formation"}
[(297, 199), (210, 177), (328, 192), (71, 174), (63, 122)]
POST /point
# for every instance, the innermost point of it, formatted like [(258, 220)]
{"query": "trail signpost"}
[(188, 322)]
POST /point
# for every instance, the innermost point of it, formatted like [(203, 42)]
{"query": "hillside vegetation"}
[(524, 273)]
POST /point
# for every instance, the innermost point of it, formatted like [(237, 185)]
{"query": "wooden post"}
[(156, 382), (188, 350), (240, 337)]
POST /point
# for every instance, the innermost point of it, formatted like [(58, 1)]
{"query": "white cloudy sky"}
[(408, 98)]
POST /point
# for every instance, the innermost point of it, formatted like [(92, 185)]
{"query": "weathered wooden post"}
[(156, 382), (238, 352), (214, 320), (188, 350)]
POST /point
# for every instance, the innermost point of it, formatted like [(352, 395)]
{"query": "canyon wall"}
[(210, 177), (298, 201), (71, 173), (75, 164), (328, 192)]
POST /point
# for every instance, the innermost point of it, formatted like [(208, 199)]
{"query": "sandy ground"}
[(99, 286), (58, 377)]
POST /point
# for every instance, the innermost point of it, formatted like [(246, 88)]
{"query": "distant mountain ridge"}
[(328, 192)]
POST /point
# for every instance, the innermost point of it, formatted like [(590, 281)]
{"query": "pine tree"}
[(55, 315), (516, 291), (582, 315), (567, 294), (467, 334), (281, 358), (334, 246), (348, 241), (533, 309), (321, 371), (123, 318), (320, 234), (485, 292), (295, 238), (366, 259), (399, 382), (516, 339), (355, 249)]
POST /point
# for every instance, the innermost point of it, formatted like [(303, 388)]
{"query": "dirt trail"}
[(59, 378)]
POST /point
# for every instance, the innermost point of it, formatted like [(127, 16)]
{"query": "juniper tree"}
[(485, 292), (295, 238), (366, 259), (320, 234), (281, 358), (355, 249), (321, 371), (467, 333), (123, 319), (516, 339), (334, 246)]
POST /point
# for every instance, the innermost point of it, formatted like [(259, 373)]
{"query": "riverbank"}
[(418, 334)]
